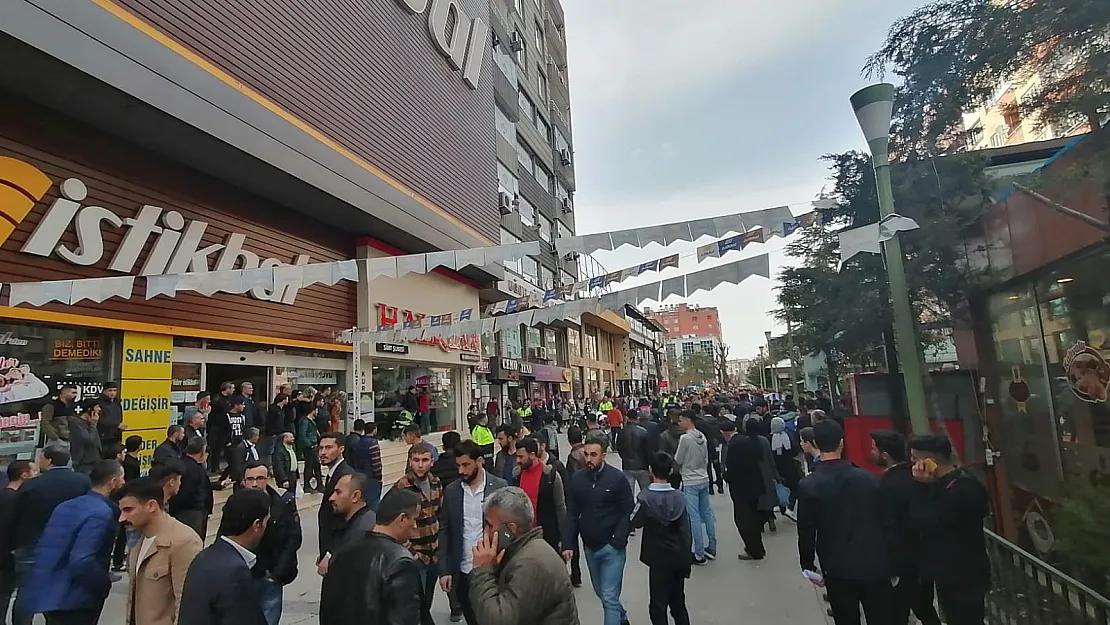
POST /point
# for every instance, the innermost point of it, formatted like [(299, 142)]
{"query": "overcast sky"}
[(697, 108)]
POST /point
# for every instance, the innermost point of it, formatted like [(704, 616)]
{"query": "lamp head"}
[(874, 107)]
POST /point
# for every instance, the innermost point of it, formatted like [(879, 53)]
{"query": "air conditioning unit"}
[(564, 157), (570, 257), (505, 203), (516, 42), (539, 353), (566, 206)]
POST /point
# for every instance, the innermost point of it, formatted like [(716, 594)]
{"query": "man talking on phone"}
[(517, 577), (948, 510)]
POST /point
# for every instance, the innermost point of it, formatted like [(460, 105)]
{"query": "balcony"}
[(557, 85), (560, 115), (534, 192), (506, 95), (564, 172), (555, 13), (556, 45)]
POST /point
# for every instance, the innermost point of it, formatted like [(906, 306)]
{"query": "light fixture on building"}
[(1064, 280)]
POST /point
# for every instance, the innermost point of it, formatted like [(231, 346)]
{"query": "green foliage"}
[(696, 368), (1083, 535), (951, 55), (847, 310)]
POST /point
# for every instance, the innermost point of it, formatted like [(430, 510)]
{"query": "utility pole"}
[(762, 369), (793, 371), (773, 361)]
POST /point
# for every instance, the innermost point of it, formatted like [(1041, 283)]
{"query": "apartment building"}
[(998, 122), (680, 320)]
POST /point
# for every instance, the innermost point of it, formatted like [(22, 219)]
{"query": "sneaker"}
[(748, 557), (456, 617), (119, 568), (577, 583), (771, 524), (700, 561), (710, 554), (115, 577), (790, 515)]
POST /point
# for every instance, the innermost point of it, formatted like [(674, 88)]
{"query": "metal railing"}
[(1026, 590)]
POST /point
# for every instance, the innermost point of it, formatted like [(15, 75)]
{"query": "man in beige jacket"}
[(156, 565)]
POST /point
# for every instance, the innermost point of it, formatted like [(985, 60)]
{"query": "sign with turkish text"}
[(147, 356), (146, 404), (391, 348), (77, 349), (152, 438)]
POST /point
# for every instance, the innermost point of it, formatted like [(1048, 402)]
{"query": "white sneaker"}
[(790, 515)]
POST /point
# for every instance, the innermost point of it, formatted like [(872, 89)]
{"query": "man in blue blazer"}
[(70, 578), (460, 523)]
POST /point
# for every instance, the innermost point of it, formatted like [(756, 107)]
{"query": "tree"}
[(720, 356), (951, 55), (694, 368)]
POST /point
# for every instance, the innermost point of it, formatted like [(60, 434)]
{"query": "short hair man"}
[(349, 500), (331, 457), (419, 479), (276, 566), (167, 545), (382, 557), (169, 448), (411, 436), (219, 587), (693, 456)]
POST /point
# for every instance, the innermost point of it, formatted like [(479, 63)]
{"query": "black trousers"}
[(119, 547), (429, 579), (847, 595), (667, 590), (216, 444), (749, 523), (311, 470), (196, 519), (86, 616), (962, 603), (913, 594), (461, 586), (576, 566)]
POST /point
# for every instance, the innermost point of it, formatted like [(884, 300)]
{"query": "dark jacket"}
[(195, 493), (281, 463), (250, 410), (73, 555), (275, 420), (365, 455), (949, 515), (576, 461), (132, 468), (374, 580), (451, 522), (277, 552), (503, 465), (36, 499), (219, 589), (743, 458), (653, 431), (166, 450), (7, 517), (667, 540), (632, 445), (242, 453), (445, 468), (896, 488), (599, 509), (354, 528), (842, 521), (551, 504), (668, 440), (711, 429), (331, 522), (111, 415), (530, 585), (84, 444)]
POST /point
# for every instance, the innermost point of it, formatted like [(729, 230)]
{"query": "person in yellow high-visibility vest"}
[(482, 435)]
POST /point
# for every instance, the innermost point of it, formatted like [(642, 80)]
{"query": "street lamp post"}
[(874, 107)]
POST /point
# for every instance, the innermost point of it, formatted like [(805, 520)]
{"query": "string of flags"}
[(869, 239), (505, 315), (778, 221)]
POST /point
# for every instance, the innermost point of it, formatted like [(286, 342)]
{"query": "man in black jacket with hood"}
[(276, 565), (110, 426), (842, 521), (667, 543)]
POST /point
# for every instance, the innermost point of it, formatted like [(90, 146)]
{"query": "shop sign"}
[(146, 404), (7, 338), (463, 44), (178, 243), (19, 436), (506, 369), (482, 366), (389, 316), (1088, 372), (526, 369), (470, 358), (77, 349), (147, 356), (472, 343), (549, 373), (391, 348)]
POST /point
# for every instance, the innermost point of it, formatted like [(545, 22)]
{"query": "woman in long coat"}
[(753, 428)]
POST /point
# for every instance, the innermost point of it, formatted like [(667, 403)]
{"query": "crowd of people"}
[(498, 522)]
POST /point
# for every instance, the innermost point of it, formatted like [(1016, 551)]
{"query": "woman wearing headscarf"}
[(784, 450), (754, 429)]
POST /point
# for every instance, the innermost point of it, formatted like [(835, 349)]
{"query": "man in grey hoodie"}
[(693, 459)]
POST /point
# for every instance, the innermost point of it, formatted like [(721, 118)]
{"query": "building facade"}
[(643, 356), (684, 320), (139, 139), (594, 354), (998, 122)]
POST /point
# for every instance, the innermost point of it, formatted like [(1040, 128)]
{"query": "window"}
[(589, 342), (531, 269), (574, 342), (545, 229), (506, 181), (509, 343), (507, 238), (505, 127), (560, 141), (543, 126), (524, 156), (563, 231), (999, 136), (541, 83), (567, 277), (527, 108), (547, 277), (541, 45), (688, 348), (527, 211), (505, 61), (521, 56), (707, 347), (542, 176)]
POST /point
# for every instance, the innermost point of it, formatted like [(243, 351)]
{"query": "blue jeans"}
[(269, 599), (607, 574), (24, 562), (373, 494), (266, 450), (697, 507)]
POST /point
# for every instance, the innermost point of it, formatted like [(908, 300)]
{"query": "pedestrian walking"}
[(349, 500), (169, 449), (744, 474), (276, 563), (424, 543), (156, 567), (34, 502), (516, 577), (692, 457), (287, 472), (842, 521), (71, 578), (576, 461), (194, 502), (599, 511), (633, 450), (948, 509), (667, 544), (504, 463), (377, 579), (218, 588), (18, 472), (460, 524), (329, 520), (544, 487), (308, 438), (785, 449)]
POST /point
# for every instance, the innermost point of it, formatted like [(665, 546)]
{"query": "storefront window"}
[(533, 337), (489, 344), (576, 373), (574, 342), (590, 343), (510, 343), (434, 404), (1024, 407), (36, 361), (184, 388)]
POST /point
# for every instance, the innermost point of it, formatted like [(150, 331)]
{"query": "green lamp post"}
[(874, 107)]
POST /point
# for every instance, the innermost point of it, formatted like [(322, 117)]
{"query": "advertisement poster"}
[(19, 430), (1088, 373)]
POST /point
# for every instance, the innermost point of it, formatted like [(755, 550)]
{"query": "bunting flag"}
[(776, 221), (869, 239), (732, 273)]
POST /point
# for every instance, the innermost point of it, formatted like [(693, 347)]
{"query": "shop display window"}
[(36, 361), (434, 404)]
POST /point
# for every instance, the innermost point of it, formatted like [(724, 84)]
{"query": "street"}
[(772, 592)]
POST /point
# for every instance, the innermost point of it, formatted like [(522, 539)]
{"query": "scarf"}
[(780, 440)]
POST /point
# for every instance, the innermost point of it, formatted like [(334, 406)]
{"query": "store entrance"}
[(258, 376)]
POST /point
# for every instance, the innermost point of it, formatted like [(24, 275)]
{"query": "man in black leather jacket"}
[(376, 579), (633, 449), (276, 565)]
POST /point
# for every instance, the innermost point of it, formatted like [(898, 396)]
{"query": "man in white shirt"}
[(218, 586), (460, 524)]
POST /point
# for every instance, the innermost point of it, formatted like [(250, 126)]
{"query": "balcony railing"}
[(1025, 589)]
